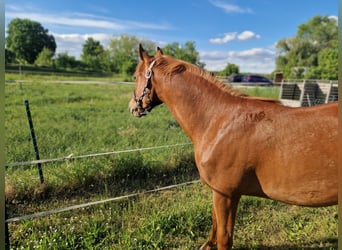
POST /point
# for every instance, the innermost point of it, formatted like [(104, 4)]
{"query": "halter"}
[(148, 76)]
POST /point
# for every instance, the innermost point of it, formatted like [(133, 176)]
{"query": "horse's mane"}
[(172, 66)]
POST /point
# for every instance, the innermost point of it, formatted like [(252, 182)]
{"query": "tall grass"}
[(82, 119), (269, 92)]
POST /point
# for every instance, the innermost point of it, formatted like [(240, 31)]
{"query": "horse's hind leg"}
[(212, 237), (225, 210)]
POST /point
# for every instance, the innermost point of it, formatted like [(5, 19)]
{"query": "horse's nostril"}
[(134, 110)]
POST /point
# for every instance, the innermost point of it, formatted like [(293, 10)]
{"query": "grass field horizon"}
[(84, 119)]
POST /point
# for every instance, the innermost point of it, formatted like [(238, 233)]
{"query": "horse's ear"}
[(142, 53), (159, 52)]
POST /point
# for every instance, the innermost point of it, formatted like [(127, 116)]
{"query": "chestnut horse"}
[(243, 145)]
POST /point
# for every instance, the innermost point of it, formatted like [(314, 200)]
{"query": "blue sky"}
[(243, 32)]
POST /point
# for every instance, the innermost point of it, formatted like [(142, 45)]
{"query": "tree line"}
[(311, 53), (29, 43)]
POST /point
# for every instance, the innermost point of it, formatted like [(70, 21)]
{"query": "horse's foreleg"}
[(225, 210), (212, 237)]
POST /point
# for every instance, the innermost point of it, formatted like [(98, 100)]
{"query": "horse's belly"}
[(307, 185), (303, 196)]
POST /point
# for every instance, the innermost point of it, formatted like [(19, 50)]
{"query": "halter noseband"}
[(148, 76)]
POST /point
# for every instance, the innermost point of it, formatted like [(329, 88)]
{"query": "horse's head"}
[(144, 97)]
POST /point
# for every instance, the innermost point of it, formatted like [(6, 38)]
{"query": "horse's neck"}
[(195, 105)]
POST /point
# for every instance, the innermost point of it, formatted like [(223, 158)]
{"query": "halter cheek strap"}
[(148, 75)]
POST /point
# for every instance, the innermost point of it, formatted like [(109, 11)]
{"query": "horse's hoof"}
[(206, 246)]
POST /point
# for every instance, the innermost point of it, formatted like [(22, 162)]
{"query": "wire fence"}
[(71, 157), (88, 204)]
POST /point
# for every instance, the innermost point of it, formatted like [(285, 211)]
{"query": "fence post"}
[(7, 240), (35, 147)]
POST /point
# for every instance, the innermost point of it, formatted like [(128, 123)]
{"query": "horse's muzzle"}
[(136, 110)]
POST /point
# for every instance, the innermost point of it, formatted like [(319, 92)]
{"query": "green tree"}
[(123, 53), (320, 30), (9, 56), (327, 65), (93, 55), (296, 57), (305, 55), (44, 58), (65, 61), (186, 52), (230, 69), (27, 39)]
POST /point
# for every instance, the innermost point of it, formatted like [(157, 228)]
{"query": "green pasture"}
[(81, 119)]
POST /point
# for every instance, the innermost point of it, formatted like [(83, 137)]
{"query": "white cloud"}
[(256, 60), (76, 19), (254, 53), (246, 35), (230, 8), (228, 37), (15, 7), (225, 39), (334, 18), (65, 20)]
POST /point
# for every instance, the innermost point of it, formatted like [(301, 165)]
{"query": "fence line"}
[(59, 210), (68, 158)]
